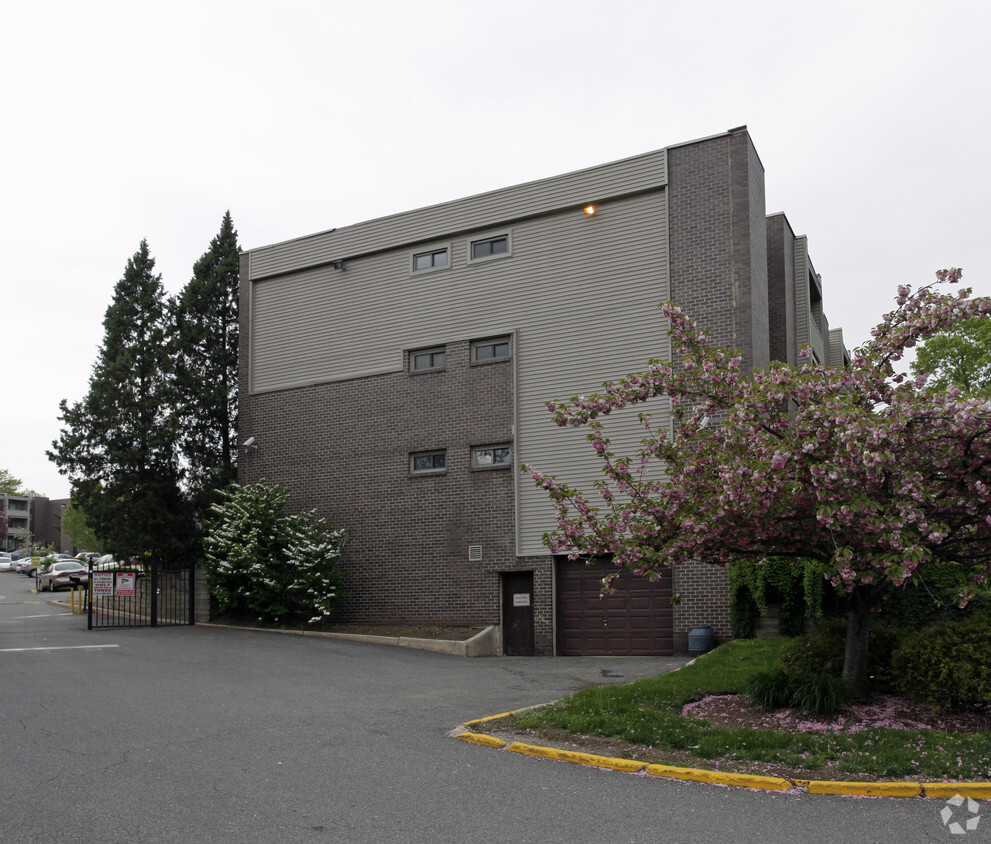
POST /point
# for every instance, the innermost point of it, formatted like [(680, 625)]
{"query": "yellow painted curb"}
[(864, 789), (481, 738), (720, 777), (488, 718), (579, 758), (945, 790)]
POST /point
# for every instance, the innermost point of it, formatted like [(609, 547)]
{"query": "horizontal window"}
[(427, 462), (491, 456), (486, 350), (490, 247), (424, 359), (432, 260)]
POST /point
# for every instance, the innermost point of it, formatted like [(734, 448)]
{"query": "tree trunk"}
[(858, 620)]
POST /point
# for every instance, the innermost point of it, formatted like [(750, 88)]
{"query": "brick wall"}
[(718, 241), (781, 289), (719, 257), (704, 601), (344, 449)]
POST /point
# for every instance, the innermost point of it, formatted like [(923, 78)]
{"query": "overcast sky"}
[(130, 120)]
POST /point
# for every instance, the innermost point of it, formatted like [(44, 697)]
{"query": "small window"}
[(433, 260), (491, 456), (486, 350), (428, 462), (490, 247), (425, 359)]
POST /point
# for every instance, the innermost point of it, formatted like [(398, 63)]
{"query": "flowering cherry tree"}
[(862, 468)]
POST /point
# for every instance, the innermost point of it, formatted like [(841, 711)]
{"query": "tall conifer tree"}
[(204, 317), (118, 444)]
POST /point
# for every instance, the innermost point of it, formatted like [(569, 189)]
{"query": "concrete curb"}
[(939, 790), (482, 643)]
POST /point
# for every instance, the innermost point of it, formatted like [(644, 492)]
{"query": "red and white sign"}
[(103, 583), (125, 584)]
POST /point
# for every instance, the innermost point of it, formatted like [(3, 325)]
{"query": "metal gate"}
[(151, 596)]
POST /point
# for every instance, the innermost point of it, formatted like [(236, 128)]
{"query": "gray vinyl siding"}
[(545, 196), (579, 294), (802, 305), (838, 354)]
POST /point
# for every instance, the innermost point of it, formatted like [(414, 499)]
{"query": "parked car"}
[(26, 565), (64, 573), (87, 557), (105, 562), (6, 563)]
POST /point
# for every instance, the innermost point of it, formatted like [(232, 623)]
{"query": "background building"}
[(33, 520), (395, 372)]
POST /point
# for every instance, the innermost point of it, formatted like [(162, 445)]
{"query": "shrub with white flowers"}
[(260, 561)]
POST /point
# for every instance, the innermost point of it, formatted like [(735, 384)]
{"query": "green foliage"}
[(276, 567), (75, 526), (743, 610), (10, 484), (959, 356), (820, 695), (949, 666), (204, 345), (650, 713), (796, 587), (772, 689), (916, 605), (823, 652), (118, 444)]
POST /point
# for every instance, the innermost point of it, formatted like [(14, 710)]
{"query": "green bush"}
[(949, 666), (914, 606), (771, 689), (823, 651), (743, 613), (263, 563), (821, 695), (819, 651)]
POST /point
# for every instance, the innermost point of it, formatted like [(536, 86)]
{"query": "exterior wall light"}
[(589, 210)]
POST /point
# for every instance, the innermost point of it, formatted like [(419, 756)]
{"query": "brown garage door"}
[(636, 620)]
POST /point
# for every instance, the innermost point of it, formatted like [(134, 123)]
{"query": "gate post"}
[(154, 593), (192, 594)]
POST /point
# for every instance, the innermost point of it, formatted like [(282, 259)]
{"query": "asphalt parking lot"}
[(204, 734)]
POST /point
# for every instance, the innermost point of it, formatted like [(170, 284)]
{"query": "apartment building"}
[(394, 375)]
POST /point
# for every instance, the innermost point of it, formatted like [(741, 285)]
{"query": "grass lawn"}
[(647, 714)]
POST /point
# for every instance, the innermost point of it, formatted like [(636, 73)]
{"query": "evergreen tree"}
[(118, 444), (204, 319)]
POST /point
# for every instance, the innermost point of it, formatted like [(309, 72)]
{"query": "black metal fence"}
[(140, 597)]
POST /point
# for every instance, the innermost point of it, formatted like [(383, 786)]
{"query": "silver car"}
[(63, 573)]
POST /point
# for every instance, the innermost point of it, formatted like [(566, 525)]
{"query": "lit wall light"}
[(590, 210)]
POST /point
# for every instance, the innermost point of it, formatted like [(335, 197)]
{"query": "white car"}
[(106, 562), (6, 564)]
